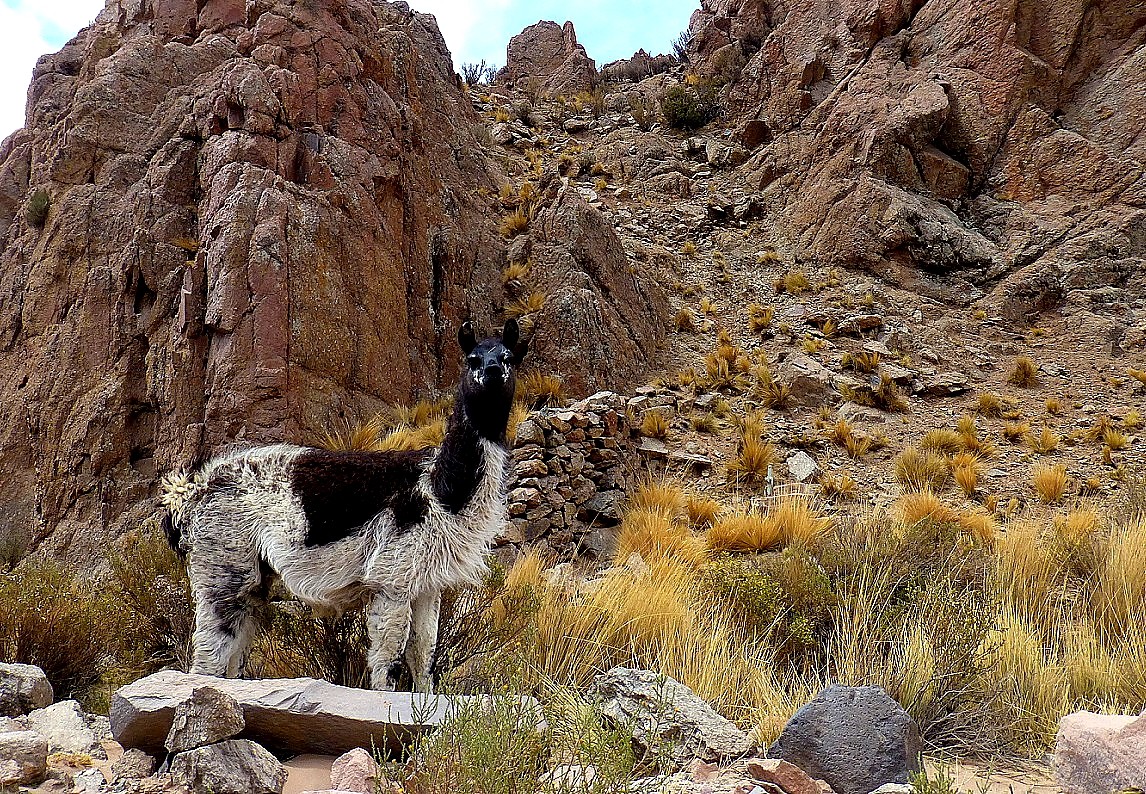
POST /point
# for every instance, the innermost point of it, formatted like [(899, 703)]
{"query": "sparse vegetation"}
[(922, 470), (1024, 373), (687, 107), (36, 210), (1049, 482)]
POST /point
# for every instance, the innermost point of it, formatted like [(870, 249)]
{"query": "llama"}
[(340, 528)]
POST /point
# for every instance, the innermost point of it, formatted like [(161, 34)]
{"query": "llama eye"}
[(474, 362)]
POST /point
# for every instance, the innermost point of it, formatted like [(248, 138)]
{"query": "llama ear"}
[(511, 338), (510, 333), (466, 338)]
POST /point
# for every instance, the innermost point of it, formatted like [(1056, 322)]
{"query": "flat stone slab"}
[(299, 715)]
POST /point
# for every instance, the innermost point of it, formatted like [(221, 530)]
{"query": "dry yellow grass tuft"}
[(990, 404), (759, 317), (947, 442), (772, 393), (1115, 439), (794, 282), (1138, 375), (921, 470), (515, 273), (754, 457), (655, 536), (966, 468), (685, 321), (924, 505), (1024, 372), (530, 304), (1016, 432), (702, 511), (744, 531), (981, 526), (1132, 420), (1045, 442), (799, 522), (1053, 406), (515, 222), (663, 497), (538, 390), (689, 248), (654, 424), (843, 486), (1049, 482), (864, 362)]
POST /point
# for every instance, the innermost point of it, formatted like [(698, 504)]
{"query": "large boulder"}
[(264, 218), (238, 766), (853, 738), (545, 58), (23, 688), (668, 720), (1100, 752), (23, 758), (300, 715)]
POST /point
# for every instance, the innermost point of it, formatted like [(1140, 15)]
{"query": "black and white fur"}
[(394, 528)]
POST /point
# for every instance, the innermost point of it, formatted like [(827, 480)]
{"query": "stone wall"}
[(572, 469)]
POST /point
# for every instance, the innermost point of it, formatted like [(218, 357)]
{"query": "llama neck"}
[(461, 463)]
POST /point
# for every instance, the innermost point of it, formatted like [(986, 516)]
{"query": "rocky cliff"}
[(232, 221), (950, 145)]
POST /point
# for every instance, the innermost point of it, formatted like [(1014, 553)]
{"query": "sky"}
[(473, 29)]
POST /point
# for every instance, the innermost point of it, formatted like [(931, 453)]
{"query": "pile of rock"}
[(33, 729), (572, 467)]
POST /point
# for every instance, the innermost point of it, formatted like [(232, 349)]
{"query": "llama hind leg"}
[(423, 639), (388, 622)]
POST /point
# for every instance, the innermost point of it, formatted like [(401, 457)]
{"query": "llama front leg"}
[(423, 639), (388, 622), (224, 618)]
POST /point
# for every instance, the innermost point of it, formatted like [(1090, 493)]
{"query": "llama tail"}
[(177, 493)]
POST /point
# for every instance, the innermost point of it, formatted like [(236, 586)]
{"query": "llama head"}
[(487, 385)]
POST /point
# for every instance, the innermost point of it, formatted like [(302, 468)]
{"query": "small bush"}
[(478, 73), (990, 404), (36, 211), (689, 107), (918, 471), (654, 424), (68, 627), (1049, 482), (685, 321), (1025, 373), (1045, 442)]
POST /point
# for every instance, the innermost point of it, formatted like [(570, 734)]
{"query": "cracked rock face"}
[(263, 219), (996, 145)]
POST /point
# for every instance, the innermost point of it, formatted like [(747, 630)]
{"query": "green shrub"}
[(689, 107), (67, 626), (37, 208), (297, 643), (150, 580)]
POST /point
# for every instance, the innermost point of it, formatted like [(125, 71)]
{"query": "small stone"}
[(134, 764), (207, 717), (704, 772), (1100, 752), (528, 432), (895, 788), (358, 771), (789, 777), (23, 688), (23, 758), (801, 466), (65, 727), (689, 460), (654, 448), (860, 322)]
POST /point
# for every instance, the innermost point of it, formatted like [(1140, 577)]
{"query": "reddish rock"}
[(547, 60), (789, 777), (600, 313), (955, 137), (1100, 752)]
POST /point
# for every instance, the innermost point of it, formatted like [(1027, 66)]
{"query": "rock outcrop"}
[(546, 60), (994, 144)]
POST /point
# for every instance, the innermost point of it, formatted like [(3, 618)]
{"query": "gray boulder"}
[(670, 723), (208, 716), (23, 688), (856, 739), (23, 758), (237, 766), (300, 715), (66, 728)]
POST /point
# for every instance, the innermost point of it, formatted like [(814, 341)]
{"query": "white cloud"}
[(27, 31), (459, 22)]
